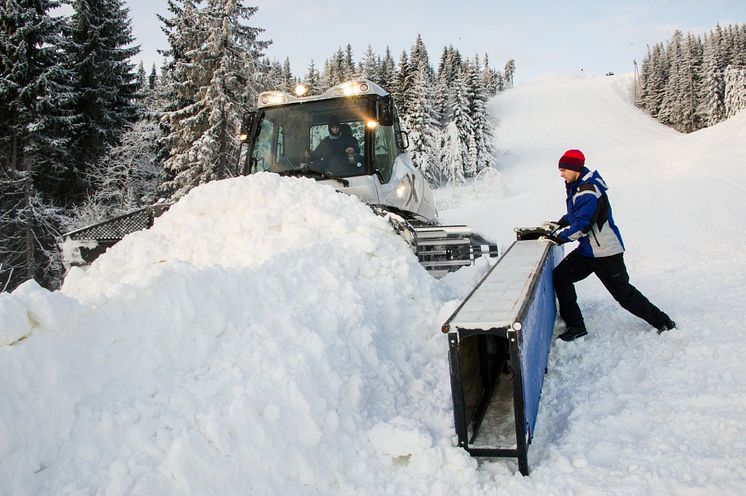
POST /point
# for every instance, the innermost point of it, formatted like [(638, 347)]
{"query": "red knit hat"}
[(573, 160)]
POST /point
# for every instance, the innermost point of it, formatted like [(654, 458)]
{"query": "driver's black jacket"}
[(333, 147)]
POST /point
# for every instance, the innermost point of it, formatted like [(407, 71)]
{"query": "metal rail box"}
[(499, 340)]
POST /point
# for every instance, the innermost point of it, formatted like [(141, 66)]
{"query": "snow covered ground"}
[(270, 336)]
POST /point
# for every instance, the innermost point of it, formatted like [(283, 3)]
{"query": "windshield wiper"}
[(305, 170)]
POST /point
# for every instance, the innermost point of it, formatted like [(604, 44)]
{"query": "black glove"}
[(553, 238)]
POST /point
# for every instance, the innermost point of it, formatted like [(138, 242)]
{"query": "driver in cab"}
[(336, 149)]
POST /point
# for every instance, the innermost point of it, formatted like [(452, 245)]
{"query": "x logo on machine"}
[(412, 190)]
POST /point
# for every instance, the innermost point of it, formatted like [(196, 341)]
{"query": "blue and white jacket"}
[(589, 218)]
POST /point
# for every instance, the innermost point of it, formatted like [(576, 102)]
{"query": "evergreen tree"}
[(656, 88), (141, 90), (34, 91), (141, 82), (443, 101), (449, 71), (153, 79), (737, 54), (29, 229), (735, 89), (203, 135), (727, 46), (415, 78), (643, 83), (334, 71), (422, 125), (34, 141), (419, 59), (176, 91), (348, 65), (693, 62), (402, 87), (714, 80), (179, 30), (313, 80), (491, 79), (369, 66), (327, 77), (462, 116), (498, 82), (482, 132), (105, 84), (387, 71), (452, 155), (458, 136), (509, 73), (672, 108), (287, 81), (450, 65), (272, 79)]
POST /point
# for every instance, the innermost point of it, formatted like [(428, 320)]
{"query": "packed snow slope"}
[(271, 336)]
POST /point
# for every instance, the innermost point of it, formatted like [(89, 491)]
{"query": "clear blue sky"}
[(542, 36)]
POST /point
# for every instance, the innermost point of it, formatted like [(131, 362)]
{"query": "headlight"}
[(404, 189)]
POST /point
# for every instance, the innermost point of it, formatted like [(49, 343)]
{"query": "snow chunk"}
[(49, 310), (400, 437), (32, 307), (14, 322)]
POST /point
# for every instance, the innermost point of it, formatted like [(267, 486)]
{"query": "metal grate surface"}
[(118, 227)]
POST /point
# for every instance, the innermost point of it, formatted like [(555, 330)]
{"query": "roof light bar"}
[(273, 97)]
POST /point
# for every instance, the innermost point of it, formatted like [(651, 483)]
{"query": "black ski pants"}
[(613, 274)]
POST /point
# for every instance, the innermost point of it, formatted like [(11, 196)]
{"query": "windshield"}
[(327, 136)]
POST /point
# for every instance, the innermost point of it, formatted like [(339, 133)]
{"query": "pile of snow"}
[(267, 335)]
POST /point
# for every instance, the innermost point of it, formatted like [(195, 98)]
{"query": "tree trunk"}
[(28, 226)]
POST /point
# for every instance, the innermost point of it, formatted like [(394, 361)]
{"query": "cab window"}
[(385, 151), (262, 157)]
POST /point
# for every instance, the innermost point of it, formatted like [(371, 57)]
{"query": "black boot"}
[(666, 326), (573, 333)]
